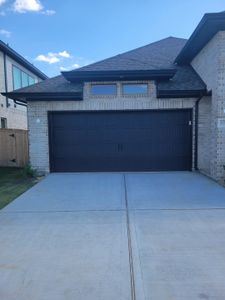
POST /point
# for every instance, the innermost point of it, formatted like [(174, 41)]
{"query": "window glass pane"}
[(16, 78), (3, 123), (129, 89), (103, 89), (24, 79), (31, 80)]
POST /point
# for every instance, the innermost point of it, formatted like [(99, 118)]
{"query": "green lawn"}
[(13, 182)]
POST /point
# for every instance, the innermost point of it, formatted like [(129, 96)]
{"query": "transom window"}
[(133, 89), (21, 79), (103, 89)]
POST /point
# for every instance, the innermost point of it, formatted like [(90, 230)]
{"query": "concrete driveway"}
[(115, 236)]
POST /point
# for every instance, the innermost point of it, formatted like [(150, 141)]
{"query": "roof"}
[(56, 87), (20, 59), (209, 25), (185, 83), (154, 56), (154, 61)]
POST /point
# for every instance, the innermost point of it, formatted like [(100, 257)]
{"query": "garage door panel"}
[(151, 149), (86, 165), (112, 120), (74, 137), (84, 150), (83, 136), (120, 140), (90, 165)]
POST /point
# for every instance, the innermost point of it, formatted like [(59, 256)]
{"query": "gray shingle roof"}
[(185, 79), (52, 85), (155, 56)]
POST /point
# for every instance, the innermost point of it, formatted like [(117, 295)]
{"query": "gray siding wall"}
[(16, 115), (38, 116), (210, 65)]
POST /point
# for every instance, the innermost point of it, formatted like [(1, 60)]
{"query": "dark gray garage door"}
[(120, 141)]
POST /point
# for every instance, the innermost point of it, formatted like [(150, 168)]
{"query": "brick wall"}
[(204, 135), (210, 64), (38, 119)]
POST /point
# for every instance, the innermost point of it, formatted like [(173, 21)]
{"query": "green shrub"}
[(29, 171)]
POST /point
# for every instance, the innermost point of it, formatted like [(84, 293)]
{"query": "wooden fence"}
[(13, 148)]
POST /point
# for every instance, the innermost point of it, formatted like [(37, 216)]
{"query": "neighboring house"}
[(159, 107), (15, 72)]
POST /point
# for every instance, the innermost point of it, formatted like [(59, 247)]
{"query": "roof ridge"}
[(123, 53), (156, 42)]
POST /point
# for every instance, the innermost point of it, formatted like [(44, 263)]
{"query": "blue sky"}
[(58, 35)]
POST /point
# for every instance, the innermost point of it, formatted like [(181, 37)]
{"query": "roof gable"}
[(209, 25)]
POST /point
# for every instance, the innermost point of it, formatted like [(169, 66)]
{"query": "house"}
[(16, 72), (159, 107)]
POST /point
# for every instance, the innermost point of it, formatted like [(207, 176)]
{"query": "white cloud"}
[(53, 58), (22, 6), (48, 12), (2, 2), (75, 66), (69, 68), (64, 54), (6, 33), (47, 58), (80, 62), (63, 69)]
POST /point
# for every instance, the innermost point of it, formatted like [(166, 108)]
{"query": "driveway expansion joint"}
[(129, 241), (176, 209), (60, 211)]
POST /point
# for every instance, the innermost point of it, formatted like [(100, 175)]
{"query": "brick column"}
[(218, 114)]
